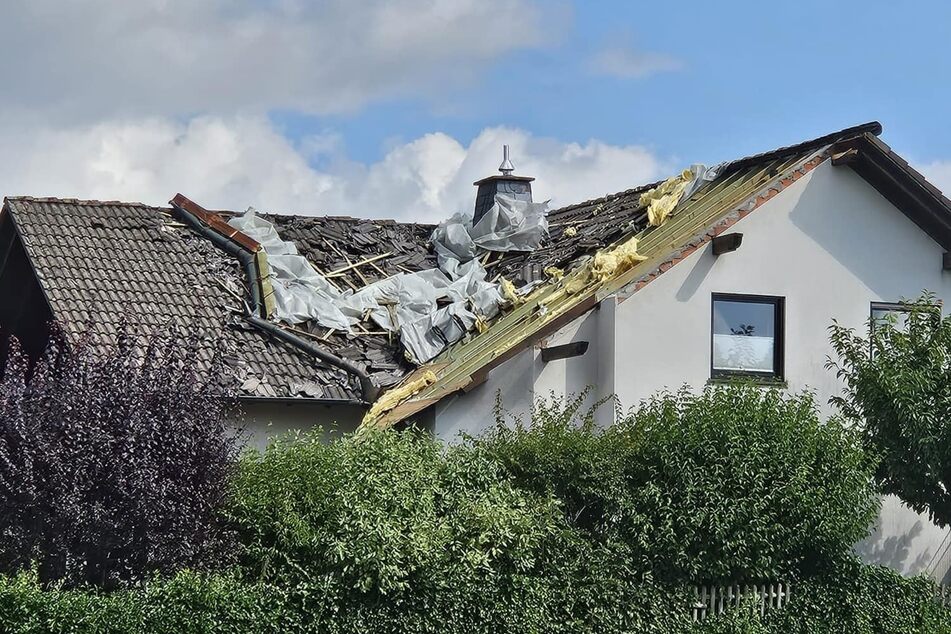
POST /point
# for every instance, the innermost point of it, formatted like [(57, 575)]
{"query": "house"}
[(741, 270)]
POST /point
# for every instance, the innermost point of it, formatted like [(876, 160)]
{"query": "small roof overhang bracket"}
[(566, 351), (726, 243)]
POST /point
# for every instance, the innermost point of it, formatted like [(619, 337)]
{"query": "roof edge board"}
[(11, 213), (903, 186)]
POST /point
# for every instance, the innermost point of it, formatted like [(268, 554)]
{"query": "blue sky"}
[(746, 78), (393, 107)]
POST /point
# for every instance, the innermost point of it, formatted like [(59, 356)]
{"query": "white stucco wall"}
[(523, 379), (830, 244)]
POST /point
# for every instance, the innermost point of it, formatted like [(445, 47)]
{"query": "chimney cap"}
[(507, 167), (500, 177)]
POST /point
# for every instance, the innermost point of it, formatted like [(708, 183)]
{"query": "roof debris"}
[(619, 245), (429, 309), (608, 263), (397, 395)]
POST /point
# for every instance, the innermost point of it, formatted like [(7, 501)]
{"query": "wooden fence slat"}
[(711, 600)]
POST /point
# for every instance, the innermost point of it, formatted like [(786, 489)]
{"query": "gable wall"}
[(24, 312), (829, 244)]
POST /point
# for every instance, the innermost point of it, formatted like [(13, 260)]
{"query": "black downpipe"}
[(369, 391), (233, 249), (367, 388)]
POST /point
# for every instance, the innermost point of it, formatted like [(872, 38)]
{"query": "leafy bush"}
[(396, 533), (856, 598), (113, 461), (734, 483), (185, 604), (898, 391)]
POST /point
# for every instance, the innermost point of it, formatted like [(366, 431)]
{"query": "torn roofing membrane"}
[(429, 309)]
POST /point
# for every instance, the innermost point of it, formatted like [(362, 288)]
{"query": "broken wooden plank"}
[(351, 266)]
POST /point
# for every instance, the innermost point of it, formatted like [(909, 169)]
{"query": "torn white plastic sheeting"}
[(300, 293), (407, 302), (701, 176), (509, 225)]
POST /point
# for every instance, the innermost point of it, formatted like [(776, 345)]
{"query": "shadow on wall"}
[(698, 273), (895, 551), (866, 226)]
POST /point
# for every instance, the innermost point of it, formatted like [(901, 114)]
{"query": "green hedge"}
[(856, 599), (185, 604), (735, 483), (400, 534), (555, 528)]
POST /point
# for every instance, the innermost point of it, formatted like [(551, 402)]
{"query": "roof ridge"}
[(605, 198), (80, 201), (872, 127)]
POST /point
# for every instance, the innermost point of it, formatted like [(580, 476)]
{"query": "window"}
[(898, 313), (747, 337)]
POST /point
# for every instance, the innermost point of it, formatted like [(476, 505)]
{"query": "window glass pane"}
[(880, 314), (743, 336)]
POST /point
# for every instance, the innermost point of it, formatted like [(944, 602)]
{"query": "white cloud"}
[(99, 58), (628, 63), (939, 174), (233, 162)]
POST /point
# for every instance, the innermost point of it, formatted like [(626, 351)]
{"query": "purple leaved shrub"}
[(114, 459)]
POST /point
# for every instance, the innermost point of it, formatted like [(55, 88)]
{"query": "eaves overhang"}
[(900, 184)]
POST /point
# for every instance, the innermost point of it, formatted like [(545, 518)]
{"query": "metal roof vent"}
[(506, 167), (507, 184)]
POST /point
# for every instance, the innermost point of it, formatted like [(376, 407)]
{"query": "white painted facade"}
[(829, 244)]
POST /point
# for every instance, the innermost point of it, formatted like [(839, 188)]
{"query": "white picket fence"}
[(714, 600)]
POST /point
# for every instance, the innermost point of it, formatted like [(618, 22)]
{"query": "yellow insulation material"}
[(608, 264), (509, 293), (662, 200), (570, 232), (397, 395), (554, 273)]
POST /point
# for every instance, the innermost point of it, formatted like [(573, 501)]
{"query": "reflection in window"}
[(747, 335), (894, 313)]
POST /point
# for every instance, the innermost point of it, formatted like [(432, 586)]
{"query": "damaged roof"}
[(100, 263), (104, 263)]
